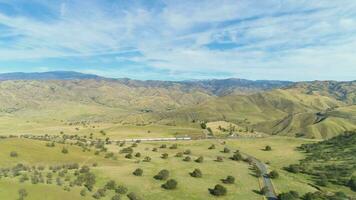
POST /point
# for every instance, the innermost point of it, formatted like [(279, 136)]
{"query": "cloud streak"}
[(241, 38)]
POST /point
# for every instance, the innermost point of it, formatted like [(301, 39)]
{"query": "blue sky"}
[(179, 39)]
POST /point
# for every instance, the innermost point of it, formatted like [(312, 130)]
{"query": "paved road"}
[(271, 194)]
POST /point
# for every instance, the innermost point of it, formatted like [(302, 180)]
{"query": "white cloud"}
[(272, 38)]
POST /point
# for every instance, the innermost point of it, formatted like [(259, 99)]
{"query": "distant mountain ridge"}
[(217, 87), (52, 75)]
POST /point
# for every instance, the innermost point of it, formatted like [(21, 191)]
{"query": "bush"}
[(200, 159), (138, 172), (164, 156), (147, 159), (237, 156), (179, 155), (138, 154), (174, 146), (162, 175), (133, 196), (110, 185), (219, 159), (154, 149), (226, 150), (13, 154), (203, 125), (126, 150), (163, 146), (291, 195), (268, 148), (64, 150), (128, 156), (83, 192), (196, 173), (212, 146), (187, 152), (352, 183), (187, 159), (273, 174), (229, 180), (218, 190), (170, 184), (121, 189), (294, 168), (22, 193), (116, 197)]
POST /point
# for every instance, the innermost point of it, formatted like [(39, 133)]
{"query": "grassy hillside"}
[(26, 105), (330, 163)]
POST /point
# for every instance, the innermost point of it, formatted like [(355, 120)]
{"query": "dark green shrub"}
[(273, 174), (229, 180), (162, 175), (200, 159), (218, 190), (121, 189), (196, 173), (170, 184), (187, 159), (138, 172)]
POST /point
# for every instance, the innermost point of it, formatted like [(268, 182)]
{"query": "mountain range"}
[(317, 109)]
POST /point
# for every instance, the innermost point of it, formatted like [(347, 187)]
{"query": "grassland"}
[(33, 152)]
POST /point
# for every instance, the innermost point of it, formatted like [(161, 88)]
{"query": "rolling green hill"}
[(308, 109)]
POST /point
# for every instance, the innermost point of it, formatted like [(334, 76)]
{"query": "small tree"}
[(212, 146), (174, 146), (187, 159), (121, 189), (237, 156), (352, 183), (273, 174), (200, 159), (13, 154), (219, 159), (110, 185), (133, 196), (138, 154), (164, 156), (179, 154), (203, 125), (226, 150), (218, 190), (83, 192), (147, 159), (22, 193), (187, 152), (162, 175), (229, 180), (64, 150), (171, 184), (196, 173), (128, 156), (116, 197), (268, 148), (138, 172)]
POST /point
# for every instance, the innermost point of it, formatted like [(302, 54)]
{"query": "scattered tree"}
[(138, 172), (229, 180), (162, 175), (196, 173), (170, 184), (218, 190)]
